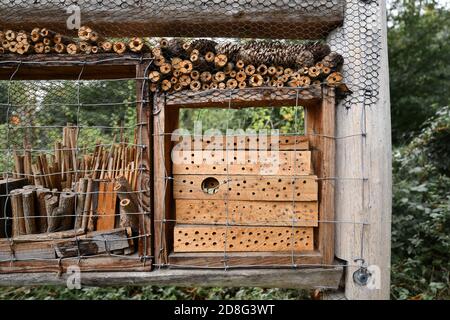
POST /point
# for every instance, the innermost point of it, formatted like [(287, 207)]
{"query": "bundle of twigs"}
[(43, 40), (204, 64)]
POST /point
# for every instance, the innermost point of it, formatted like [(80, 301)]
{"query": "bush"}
[(421, 213)]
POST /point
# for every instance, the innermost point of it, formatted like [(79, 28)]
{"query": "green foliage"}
[(419, 62), (149, 293), (421, 213)]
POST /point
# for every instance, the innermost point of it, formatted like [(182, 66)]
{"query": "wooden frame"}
[(98, 67), (319, 104)]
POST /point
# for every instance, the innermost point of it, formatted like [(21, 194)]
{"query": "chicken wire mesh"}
[(270, 33)]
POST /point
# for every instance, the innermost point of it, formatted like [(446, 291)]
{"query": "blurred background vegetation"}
[(419, 57)]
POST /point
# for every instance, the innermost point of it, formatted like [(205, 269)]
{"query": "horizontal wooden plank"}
[(93, 243), (272, 213), (201, 238), (86, 264), (241, 142), (245, 259), (248, 97), (293, 19), (240, 162), (267, 278), (255, 188), (69, 67)]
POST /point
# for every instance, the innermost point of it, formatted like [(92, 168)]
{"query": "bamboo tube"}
[(72, 48), (10, 35), (205, 77), (313, 72), (165, 68), (250, 69), (84, 33), (195, 75), (154, 76), (232, 83), (240, 64), (241, 76), (242, 85), (186, 67), (119, 47), (35, 35), (13, 46), (209, 56), (136, 44), (159, 61), (106, 46), (185, 80), (220, 60), (166, 85), (195, 85), (59, 48), (262, 69), (334, 78), (219, 76), (256, 80)]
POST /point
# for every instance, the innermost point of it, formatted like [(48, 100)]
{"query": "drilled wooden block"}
[(236, 187), (242, 142), (242, 162), (256, 213), (234, 239)]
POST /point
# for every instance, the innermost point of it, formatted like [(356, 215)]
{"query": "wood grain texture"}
[(106, 206), (256, 97), (266, 278), (247, 212), (241, 142), (292, 19), (262, 162), (95, 264), (321, 126), (144, 183), (68, 67), (256, 188), (164, 120), (201, 238), (370, 157)]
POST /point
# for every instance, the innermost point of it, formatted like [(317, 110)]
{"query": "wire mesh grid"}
[(56, 103), (73, 154)]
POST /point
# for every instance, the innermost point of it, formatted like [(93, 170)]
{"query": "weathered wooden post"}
[(363, 148)]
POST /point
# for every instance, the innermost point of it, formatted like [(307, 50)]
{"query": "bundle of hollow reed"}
[(204, 64), (45, 41), (70, 162)]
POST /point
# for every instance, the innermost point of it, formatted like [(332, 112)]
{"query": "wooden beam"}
[(321, 130), (292, 19), (266, 278), (253, 97), (365, 153), (69, 67)]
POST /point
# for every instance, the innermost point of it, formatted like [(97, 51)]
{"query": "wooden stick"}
[(28, 211), (42, 209), (87, 204), (18, 223), (67, 205)]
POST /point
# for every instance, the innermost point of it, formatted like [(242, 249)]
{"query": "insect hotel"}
[(104, 171)]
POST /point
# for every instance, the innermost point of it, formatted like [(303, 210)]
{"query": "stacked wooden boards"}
[(244, 194)]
